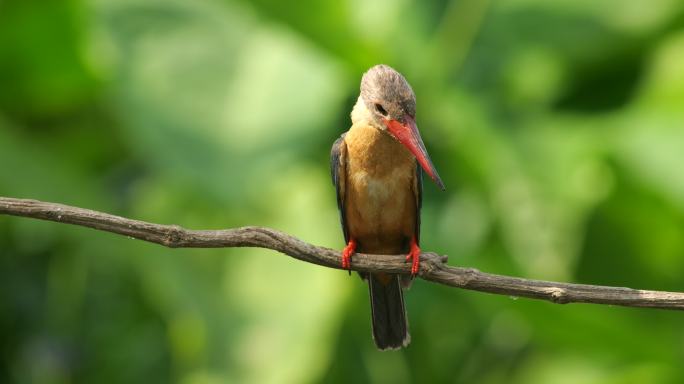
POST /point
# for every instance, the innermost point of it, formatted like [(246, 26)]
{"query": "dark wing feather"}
[(419, 199), (338, 161)]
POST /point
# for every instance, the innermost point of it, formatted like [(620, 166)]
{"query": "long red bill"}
[(408, 135)]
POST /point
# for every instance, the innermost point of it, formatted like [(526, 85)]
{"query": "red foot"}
[(347, 253), (414, 256)]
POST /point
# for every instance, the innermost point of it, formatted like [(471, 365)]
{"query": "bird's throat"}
[(376, 152)]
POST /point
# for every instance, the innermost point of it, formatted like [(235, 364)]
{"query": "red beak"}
[(408, 135)]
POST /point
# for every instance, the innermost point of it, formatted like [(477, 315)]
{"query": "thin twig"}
[(432, 267)]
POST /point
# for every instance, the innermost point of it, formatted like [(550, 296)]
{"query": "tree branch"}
[(432, 267)]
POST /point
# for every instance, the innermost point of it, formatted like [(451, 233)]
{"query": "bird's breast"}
[(380, 199)]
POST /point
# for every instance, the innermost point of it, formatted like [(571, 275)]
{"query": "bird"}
[(376, 169)]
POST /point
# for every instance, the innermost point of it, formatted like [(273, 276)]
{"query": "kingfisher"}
[(377, 169)]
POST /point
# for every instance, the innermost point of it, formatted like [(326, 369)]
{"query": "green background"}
[(557, 126)]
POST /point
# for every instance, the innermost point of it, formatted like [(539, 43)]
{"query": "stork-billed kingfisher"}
[(376, 169)]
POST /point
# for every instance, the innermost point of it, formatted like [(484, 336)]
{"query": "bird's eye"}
[(380, 109)]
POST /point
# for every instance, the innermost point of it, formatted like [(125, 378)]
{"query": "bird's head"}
[(392, 104)]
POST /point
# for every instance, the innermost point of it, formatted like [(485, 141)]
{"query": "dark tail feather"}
[(390, 328)]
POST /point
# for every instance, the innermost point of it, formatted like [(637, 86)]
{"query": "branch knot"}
[(173, 236), (558, 295)]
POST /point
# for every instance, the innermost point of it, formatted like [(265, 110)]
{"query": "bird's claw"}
[(414, 256), (347, 253)]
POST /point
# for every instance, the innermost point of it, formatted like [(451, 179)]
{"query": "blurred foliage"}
[(557, 126)]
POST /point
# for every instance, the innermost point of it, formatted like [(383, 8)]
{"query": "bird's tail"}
[(390, 327)]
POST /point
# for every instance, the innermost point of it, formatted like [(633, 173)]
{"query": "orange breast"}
[(380, 198)]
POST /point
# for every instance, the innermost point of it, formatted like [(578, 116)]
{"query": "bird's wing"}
[(418, 192), (338, 161)]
